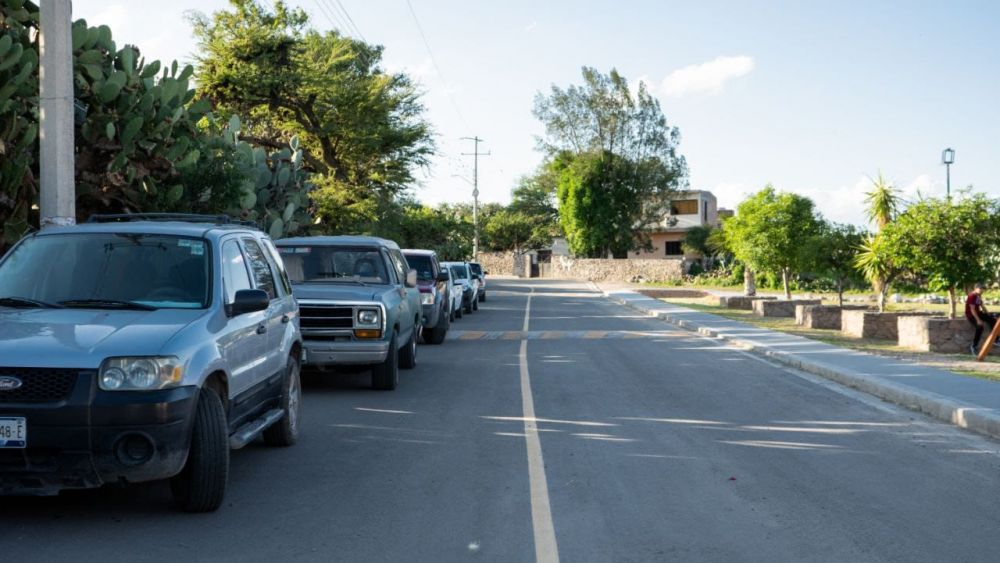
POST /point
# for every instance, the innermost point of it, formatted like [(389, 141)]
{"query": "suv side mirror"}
[(411, 278), (443, 276), (249, 301)]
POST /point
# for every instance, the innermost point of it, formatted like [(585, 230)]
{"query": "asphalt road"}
[(646, 444)]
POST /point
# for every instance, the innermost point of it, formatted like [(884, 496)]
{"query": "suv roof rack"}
[(185, 217)]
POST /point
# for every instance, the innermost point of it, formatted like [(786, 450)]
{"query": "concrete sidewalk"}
[(964, 401)]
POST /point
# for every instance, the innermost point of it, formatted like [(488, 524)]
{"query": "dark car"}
[(435, 293)]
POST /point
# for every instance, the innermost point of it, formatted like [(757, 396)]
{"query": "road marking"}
[(477, 335), (546, 548)]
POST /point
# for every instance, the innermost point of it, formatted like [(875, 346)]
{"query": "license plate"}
[(13, 432)]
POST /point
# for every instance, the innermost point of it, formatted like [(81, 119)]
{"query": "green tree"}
[(874, 257), (953, 243), (769, 230), (362, 129), (510, 230), (610, 147), (697, 242), (835, 249)]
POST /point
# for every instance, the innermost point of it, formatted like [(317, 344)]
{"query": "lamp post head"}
[(948, 156)]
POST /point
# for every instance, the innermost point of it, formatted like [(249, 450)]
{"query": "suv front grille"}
[(322, 317), (39, 385)]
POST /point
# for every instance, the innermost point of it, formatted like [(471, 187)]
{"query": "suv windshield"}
[(108, 270), (307, 264), (422, 264), (459, 272)]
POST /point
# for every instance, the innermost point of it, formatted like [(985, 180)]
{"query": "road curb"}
[(981, 420)]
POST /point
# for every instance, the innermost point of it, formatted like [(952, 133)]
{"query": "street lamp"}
[(948, 158)]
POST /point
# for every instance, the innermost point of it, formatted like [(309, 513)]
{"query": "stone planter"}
[(742, 302), (780, 307), (872, 324), (674, 293), (936, 334), (821, 316)]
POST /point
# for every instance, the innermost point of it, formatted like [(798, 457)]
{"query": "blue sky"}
[(812, 97)]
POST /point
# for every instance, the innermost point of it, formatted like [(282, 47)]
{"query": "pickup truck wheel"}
[(201, 485), (285, 432), (385, 376), (408, 355)]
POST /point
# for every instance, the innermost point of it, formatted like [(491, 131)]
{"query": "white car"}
[(466, 285)]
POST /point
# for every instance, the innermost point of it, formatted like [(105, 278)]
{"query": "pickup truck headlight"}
[(427, 298), (368, 317), (140, 373)]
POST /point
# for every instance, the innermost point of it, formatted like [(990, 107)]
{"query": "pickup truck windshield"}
[(422, 264), (108, 271), (325, 264)]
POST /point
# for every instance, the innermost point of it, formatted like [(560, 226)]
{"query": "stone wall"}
[(872, 324), (626, 270), (936, 334), (741, 301), (498, 263), (821, 316), (780, 307)]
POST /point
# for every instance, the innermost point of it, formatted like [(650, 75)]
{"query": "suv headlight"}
[(140, 373), (427, 298), (369, 317)]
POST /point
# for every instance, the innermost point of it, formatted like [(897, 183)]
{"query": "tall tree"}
[(953, 243), (362, 129), (613, 147), (768, 231), (883, 203), (835, 249)]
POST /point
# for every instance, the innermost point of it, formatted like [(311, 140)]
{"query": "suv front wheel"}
[(285, 432), (201, 485)]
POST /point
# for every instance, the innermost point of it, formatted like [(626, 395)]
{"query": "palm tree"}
[(883, 201), (873, 261)]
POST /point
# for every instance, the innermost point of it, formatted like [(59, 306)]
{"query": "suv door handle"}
[(261, 328)]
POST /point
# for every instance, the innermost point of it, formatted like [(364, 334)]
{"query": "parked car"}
[(143, 347), (480, 274), (455, 294), (359, 304), (435, 294), (462, 277)]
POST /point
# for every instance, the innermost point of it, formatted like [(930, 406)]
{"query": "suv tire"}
[(460, 311), (408, 355), (201, 485), (285, 432), (475, 303), (482, 296), (385, 376)]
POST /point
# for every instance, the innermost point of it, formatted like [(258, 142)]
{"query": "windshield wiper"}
[(107, 304), (25, 302)]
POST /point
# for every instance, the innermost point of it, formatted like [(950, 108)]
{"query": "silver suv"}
[(143, 347)]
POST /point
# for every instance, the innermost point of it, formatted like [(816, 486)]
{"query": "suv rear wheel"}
[(385, 376), (201, 485), (285, 432)]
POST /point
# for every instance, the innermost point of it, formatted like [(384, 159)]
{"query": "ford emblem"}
[(8, 383)]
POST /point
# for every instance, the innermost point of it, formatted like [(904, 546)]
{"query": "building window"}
[(673, 248), (684, 207), (704, 214)]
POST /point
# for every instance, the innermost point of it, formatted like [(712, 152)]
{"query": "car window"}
[(234, 271), (459, 272), (330, 264), (262, 276), (161, 271), (423, 264), (399, 264), (275, 259), (476, 269)]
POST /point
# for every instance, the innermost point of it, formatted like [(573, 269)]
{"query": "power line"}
[(336, 25), (437, 68), (350, 20)]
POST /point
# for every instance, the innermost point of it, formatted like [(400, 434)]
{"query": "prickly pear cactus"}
[(18, 116)]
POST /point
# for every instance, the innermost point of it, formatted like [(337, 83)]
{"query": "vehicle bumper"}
[(98, 437), (431, 315), (345, 353)]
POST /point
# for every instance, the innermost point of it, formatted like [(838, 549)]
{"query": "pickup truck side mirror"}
[(249, 301), (411, 278), (443, 276)]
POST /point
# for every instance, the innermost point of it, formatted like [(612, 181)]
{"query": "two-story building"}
[(689, 209)]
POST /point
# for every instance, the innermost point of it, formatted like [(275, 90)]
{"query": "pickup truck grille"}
[(322, 317), (40, 385)]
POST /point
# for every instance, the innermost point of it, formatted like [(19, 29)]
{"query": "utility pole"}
[(57, 198), (475, 154)]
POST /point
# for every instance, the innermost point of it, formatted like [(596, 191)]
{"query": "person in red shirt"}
[(977, 314)]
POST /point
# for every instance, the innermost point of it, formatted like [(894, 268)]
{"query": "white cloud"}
[(706, 78), (530, 27)]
